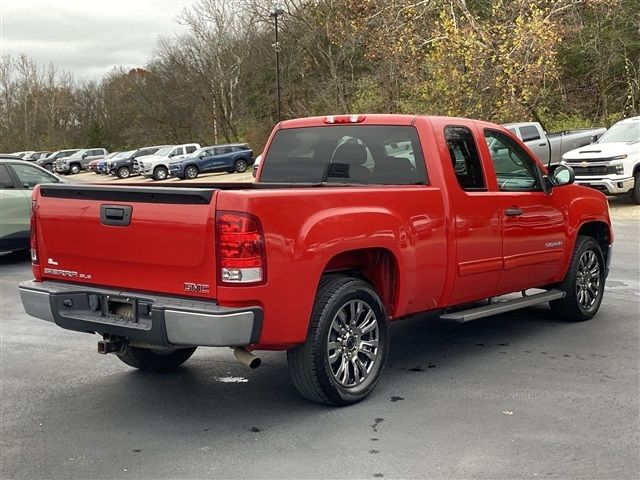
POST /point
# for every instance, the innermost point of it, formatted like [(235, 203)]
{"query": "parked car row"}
[(157, 162), (182, 161)]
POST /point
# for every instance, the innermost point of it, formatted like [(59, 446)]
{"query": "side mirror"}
[(561, 175), (84, 155)]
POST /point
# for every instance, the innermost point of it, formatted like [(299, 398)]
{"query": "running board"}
[(502, 307)]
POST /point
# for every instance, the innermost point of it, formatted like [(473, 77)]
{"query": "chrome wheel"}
[(588, 280), (352, 343)]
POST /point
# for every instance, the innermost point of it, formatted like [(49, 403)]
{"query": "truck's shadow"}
[(15, 258), (209, 396)]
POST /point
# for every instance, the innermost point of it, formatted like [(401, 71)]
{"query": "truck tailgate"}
[(137, 238)]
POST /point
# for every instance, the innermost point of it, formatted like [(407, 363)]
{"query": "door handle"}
[(513, 212), (542, 144), (115, 215)]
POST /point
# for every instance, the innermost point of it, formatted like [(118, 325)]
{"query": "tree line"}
[(565, 63)]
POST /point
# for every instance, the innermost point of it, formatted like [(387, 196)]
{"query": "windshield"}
[(112, 155), (165, 151), (622, 132), (122, 155), (360, 154), (78, 154), (197, 152)]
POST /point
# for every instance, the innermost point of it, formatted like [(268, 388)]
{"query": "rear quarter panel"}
[(305, 228)]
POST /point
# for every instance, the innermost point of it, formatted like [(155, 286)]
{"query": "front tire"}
[(124, 172), (583, 284), (160, 173), (75, 168), (191, 172), (635, 193), (347, 343), (155, 361)]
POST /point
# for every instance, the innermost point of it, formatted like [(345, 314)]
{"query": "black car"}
[(123, 167)]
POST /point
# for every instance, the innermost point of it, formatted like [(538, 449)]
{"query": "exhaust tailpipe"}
[(247, 358)]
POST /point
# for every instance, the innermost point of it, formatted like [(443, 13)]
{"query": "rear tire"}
[(240, 166), (160, 173), (155, 361), (635, 193), (347, 343), (583, 284), (124, 172)]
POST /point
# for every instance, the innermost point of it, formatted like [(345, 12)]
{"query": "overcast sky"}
[(87, 37)]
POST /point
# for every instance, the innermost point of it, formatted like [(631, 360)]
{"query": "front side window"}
[(529, 133), (514, 169), (30, 176), (464, 158), (355, 154)]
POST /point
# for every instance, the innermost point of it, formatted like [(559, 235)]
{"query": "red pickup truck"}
[(354, 222)]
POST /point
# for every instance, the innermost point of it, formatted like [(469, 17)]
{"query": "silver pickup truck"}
[(549, 147)]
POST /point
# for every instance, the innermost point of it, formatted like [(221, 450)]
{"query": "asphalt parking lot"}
[(520, 395)]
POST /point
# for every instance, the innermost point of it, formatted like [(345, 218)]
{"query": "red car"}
[(92, 166), (354, 222)]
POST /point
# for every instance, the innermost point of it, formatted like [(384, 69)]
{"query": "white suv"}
[(157, 166)]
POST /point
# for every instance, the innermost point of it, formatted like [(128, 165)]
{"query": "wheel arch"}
[(601, 232), (376, 265)]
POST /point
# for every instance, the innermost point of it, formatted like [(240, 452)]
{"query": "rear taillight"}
[(34, 236), (240, 241)]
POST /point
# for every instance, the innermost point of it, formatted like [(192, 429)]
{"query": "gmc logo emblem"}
[(196, 287)]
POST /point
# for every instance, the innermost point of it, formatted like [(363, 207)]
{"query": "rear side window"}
[(223, 150), (355, 154), (464, 158), (190, 149)]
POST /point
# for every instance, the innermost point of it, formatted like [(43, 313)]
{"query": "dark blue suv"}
[(230, 158)]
